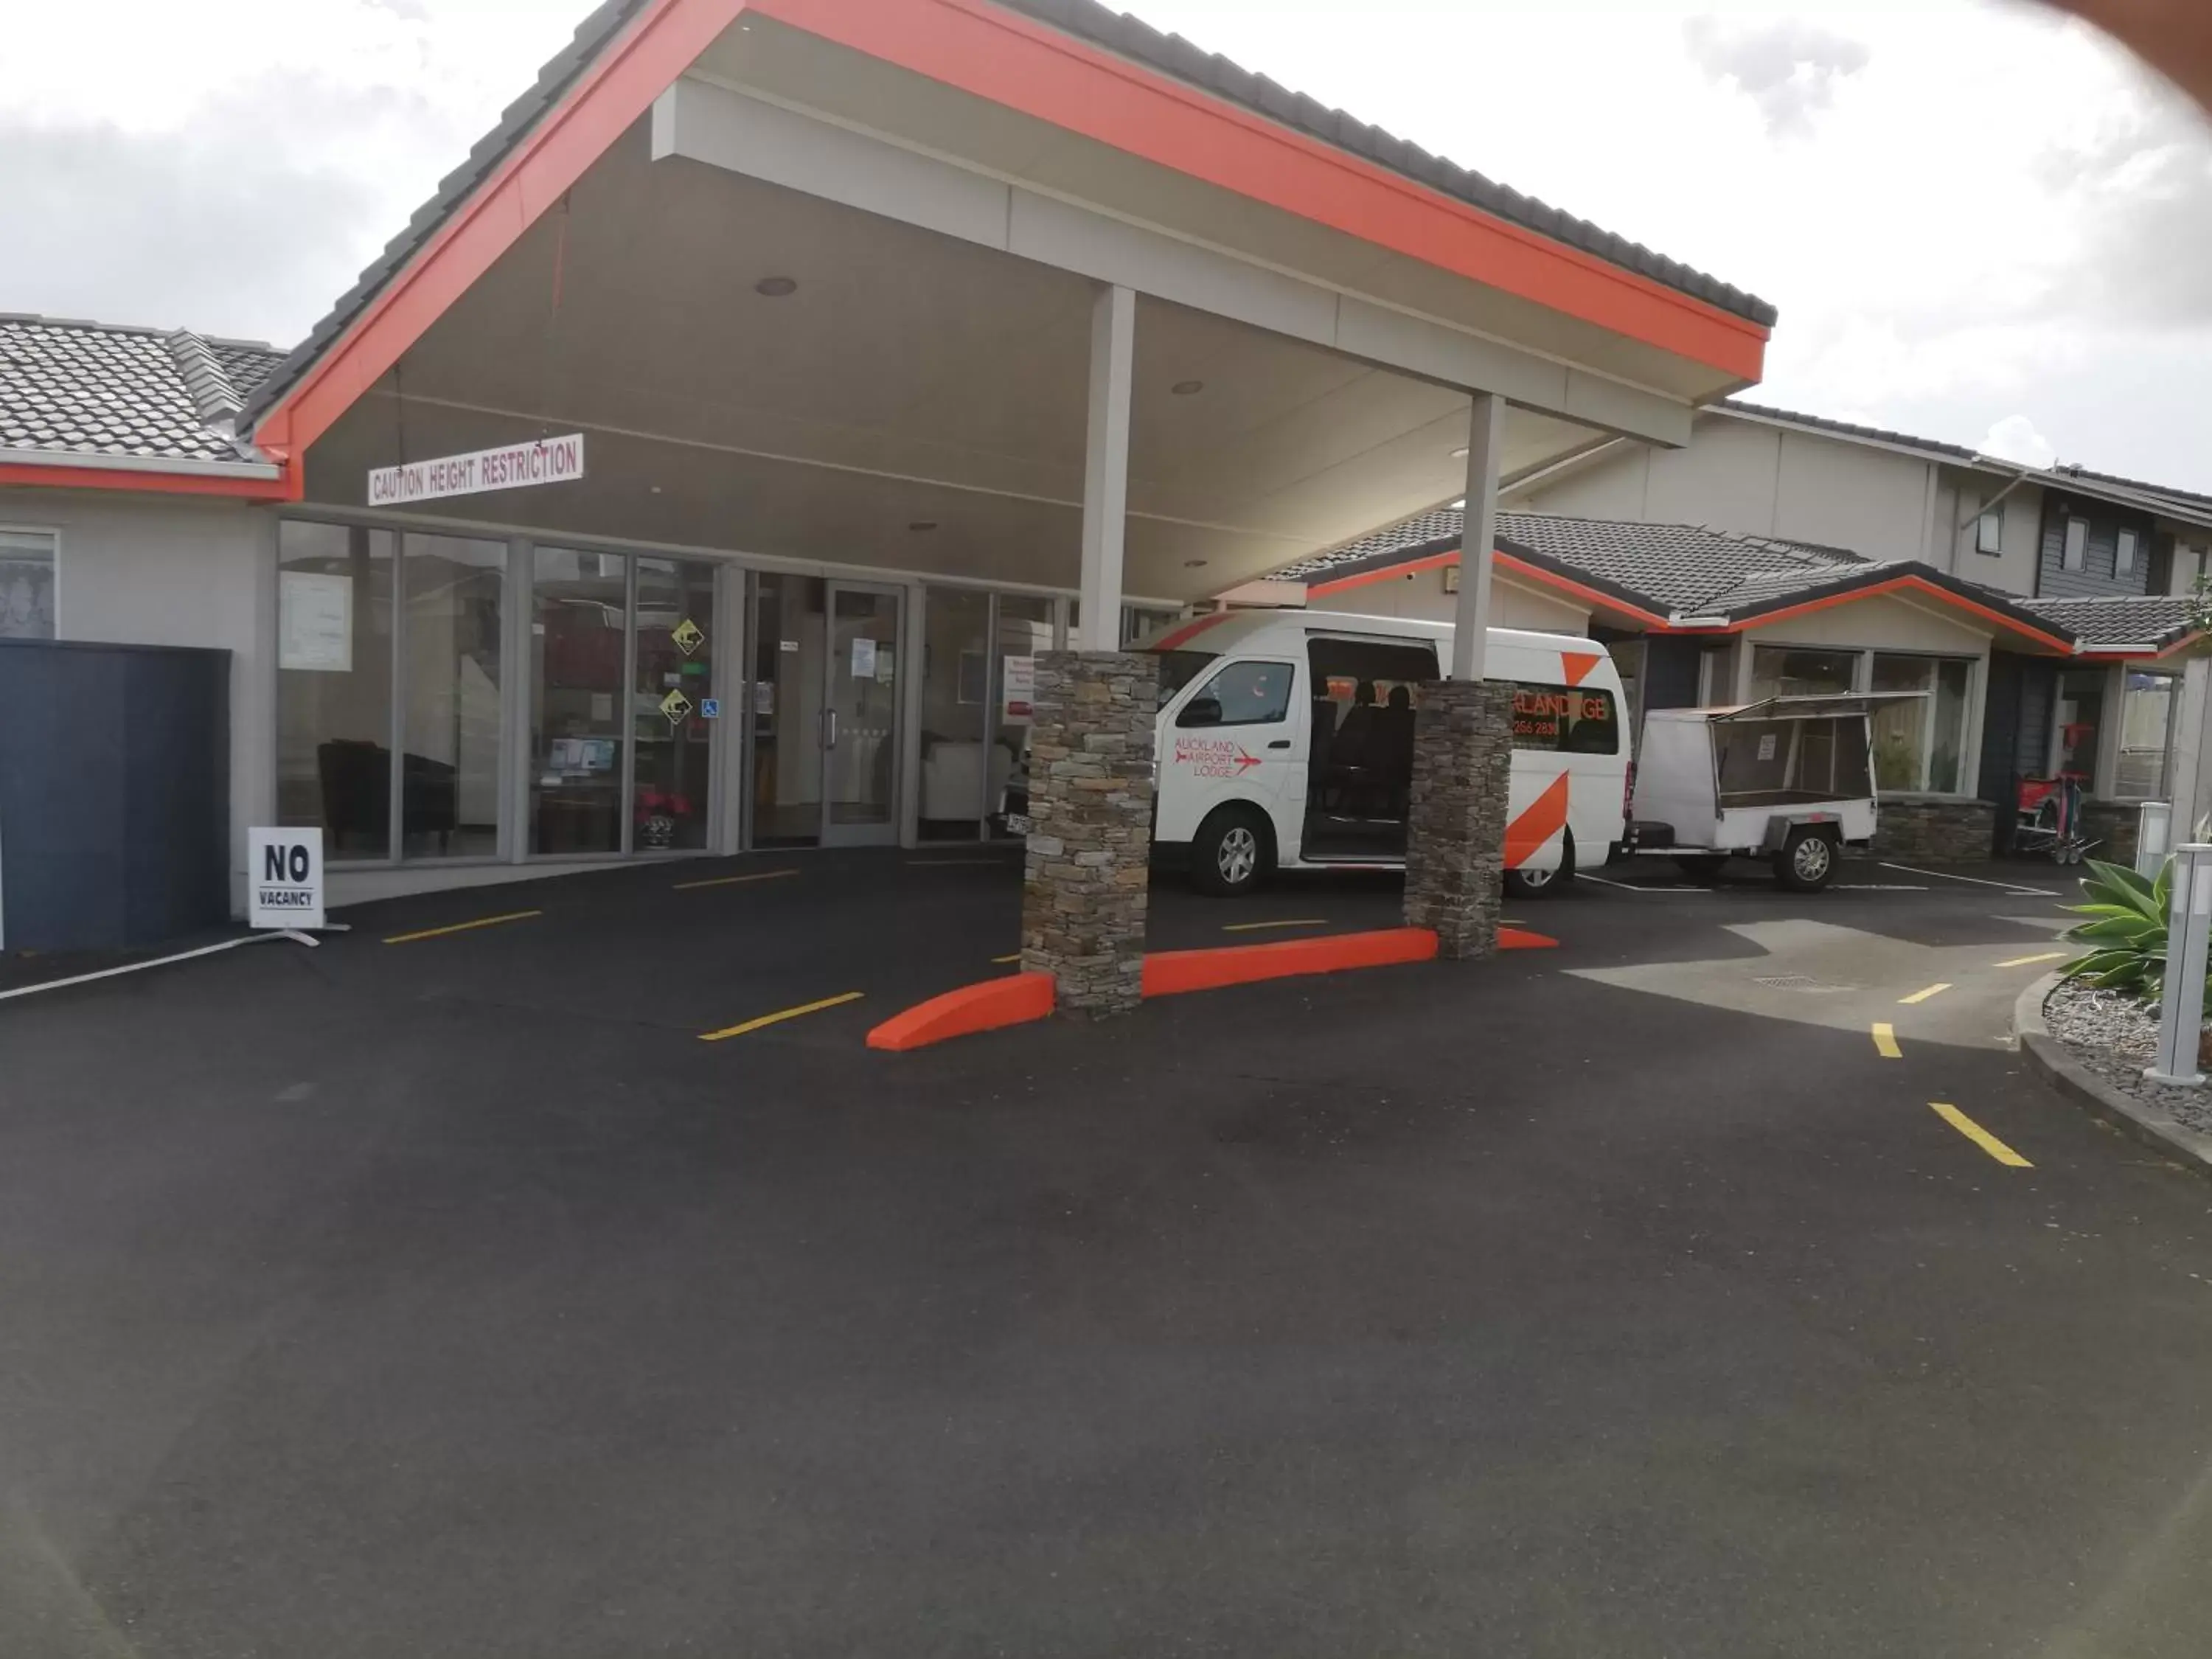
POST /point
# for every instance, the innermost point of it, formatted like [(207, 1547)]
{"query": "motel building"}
[(770, 437)]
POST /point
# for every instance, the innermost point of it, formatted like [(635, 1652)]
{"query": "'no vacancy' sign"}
[(286, 869)]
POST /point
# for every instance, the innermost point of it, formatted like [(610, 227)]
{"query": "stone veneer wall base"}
[(1088, 870), (1456, 829)]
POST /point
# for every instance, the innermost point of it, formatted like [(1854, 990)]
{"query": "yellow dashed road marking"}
[(2023, 962), (1922, 996), (1002, 961), (732, 881), (1981, 1137), (778, 1017), (1885, 1040), (464, 927), (1260, 926)]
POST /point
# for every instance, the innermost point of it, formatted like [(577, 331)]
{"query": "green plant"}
[(2127, 929)]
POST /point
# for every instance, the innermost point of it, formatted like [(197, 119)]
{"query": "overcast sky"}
[(1975, 219)]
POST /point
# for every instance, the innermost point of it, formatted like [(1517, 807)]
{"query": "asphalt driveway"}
[(452, 1298)]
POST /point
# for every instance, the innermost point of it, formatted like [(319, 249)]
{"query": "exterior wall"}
[(2096, 575), (171, 570), (1421, 596), (1881, 623), (2013, 567), (1845, 494)]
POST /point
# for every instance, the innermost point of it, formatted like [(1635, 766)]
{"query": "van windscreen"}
[(1179, 668)]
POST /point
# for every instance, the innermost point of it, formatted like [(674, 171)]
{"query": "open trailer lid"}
[(1826, 706)]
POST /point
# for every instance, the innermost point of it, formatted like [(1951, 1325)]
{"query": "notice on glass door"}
[(314, 623), (863, 659)]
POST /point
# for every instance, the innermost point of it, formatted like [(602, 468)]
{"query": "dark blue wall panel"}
[(114, 793)]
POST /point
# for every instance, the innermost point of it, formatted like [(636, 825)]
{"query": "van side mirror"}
[(1201, 711)]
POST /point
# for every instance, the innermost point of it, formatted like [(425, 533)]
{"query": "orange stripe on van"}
[(1525, 836), (1579, 664), (1191, 630)]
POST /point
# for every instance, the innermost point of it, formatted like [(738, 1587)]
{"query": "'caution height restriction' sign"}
[(285, 867)]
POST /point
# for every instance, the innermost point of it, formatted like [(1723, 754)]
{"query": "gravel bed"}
[(2116, 1036)]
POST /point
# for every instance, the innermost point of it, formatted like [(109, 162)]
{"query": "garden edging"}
[(2147, 1123)]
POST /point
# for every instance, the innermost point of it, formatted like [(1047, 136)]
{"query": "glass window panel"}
[(1570, 719), (1946, 764), (1900, 756), (26, 585), (578, 629), (1244, 694), (2080, 723), (961, 766), (2077, 543), (334, 685), (2146, 729), (676, 650), (790, 634), (1026, 628), (1781, 670), (863, 702), (449, 764)]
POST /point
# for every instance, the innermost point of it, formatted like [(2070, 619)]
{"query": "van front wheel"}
[(1542, 883), (1231, 853)]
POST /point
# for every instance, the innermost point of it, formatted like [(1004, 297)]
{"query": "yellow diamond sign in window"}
[(676, 706), (689, 637)]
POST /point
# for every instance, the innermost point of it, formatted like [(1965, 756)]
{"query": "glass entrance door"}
[(860, 716), (673, 740)]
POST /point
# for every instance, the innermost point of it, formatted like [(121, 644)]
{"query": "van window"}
[(1248, 693), (1179, 668), (1571, 719)]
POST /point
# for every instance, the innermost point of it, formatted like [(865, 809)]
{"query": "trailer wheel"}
[(1807, 862), (1233, 853), (1542, 883)]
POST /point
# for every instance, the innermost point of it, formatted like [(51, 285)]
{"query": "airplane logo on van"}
[(1214, 757)]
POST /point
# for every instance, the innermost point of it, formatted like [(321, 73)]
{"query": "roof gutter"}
[(265, 471)]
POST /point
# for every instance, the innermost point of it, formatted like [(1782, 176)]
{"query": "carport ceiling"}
[(910, 379)]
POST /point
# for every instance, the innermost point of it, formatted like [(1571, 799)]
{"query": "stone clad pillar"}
[(1088, 877), (1456, 826)]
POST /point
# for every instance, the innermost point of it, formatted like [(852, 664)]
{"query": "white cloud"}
[(2014, 438), (1789, 68)]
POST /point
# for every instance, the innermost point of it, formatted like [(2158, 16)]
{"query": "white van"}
[(1285, 741)]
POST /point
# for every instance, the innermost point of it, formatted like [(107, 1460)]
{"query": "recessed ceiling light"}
[(776, 288), (1187, 388), (922, 526), (1193, 564)]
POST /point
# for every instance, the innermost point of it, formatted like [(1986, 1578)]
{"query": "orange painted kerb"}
[(1021, 64), (1015, 1000)]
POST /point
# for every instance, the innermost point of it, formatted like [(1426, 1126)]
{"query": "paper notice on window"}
[(1766, 746), (602, 707), (886, 666), (1016, 686), (863, 659), (314, 624)]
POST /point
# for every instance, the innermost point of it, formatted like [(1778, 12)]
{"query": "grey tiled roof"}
[(1684, 571), (2118, 621), (95, 389), (1671, 567), (1172, 55), (1130, 37)]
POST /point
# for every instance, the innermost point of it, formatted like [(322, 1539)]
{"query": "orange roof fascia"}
[(1898, 584), (285, 487), (1502, 559), (664, 41), (2138, 656), (1025, 65)]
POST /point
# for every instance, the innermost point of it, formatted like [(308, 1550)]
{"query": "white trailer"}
[(1790, 780)]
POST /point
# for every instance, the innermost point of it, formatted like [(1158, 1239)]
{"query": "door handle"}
[(829, 728), (1280, 742)]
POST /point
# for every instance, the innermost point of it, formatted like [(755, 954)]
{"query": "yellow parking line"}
[(1258, 926), (464, 927), (1981, 1137), (1922, 996), (732, 881), (778, 1018), (2024, 962), (1885, 1040), (1000, 961)]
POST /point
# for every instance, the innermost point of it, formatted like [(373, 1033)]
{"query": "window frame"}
[(1989, 531), (1863, 681), (53, 533), (2127, 547), (2070, 557), (2173, 683), (1199, 688)]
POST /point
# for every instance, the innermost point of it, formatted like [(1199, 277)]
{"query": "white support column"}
[(1486, 446), (2189, 778), (1106, 469)]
